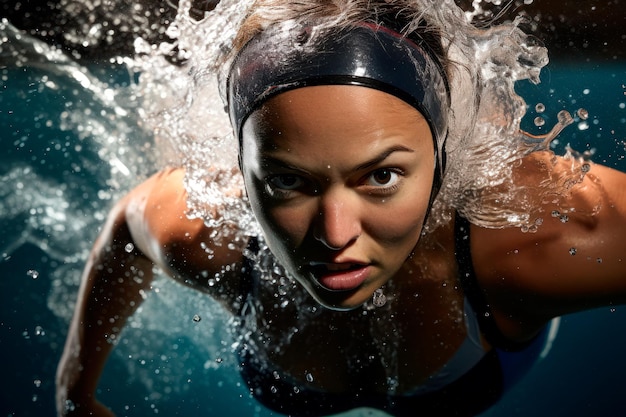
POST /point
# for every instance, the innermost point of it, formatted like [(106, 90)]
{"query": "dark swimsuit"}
[(467, 395)]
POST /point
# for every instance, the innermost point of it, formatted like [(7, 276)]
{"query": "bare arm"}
[(570, 264), (147, 228), (111, 290)]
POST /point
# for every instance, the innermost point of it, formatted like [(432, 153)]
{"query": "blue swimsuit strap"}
[(474, 293)]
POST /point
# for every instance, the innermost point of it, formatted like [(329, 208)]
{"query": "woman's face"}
[(339, 177)]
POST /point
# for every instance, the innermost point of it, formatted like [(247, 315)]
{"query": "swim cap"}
[(281, 58)]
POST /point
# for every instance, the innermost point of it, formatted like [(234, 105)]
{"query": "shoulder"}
[(186, 249), (575, 259)]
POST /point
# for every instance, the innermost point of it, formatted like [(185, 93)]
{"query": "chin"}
[(336, 300)]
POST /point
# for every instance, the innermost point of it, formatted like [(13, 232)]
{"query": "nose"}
[(338, 223)]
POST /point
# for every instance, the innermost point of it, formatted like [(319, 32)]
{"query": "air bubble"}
[(309, 377), (539, 121), (32, 273), (572, 251), (129, 247), (583, 114), (540, 108), (196, 318)]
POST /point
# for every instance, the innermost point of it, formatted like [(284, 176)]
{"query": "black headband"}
[(280, 59)]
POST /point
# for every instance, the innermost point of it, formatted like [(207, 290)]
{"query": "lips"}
[(340, 276)]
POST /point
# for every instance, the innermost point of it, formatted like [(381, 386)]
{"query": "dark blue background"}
[(583, 376)]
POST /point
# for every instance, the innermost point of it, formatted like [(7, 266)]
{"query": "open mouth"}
[(340, 276)]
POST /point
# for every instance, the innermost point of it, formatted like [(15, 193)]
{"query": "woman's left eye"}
[(383, 177)]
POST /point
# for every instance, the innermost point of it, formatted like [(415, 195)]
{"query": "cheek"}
[(400, 222), (284, 225), (401, 228)]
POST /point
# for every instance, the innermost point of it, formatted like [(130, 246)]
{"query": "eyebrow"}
[(282, 164), (382, 156), (365, 165)]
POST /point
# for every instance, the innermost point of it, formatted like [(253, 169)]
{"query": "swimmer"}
[(342, 138)]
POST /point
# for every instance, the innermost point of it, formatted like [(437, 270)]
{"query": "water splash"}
[(104, 132), (484, 136), (75, 145)]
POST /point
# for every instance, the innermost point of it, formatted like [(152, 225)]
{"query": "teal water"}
[(65, 154)]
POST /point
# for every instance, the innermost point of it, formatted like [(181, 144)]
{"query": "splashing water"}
[(78, 145), (106, 130), (484, 134)]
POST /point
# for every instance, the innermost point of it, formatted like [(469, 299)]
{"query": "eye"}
[(286, 182), (383, 177)]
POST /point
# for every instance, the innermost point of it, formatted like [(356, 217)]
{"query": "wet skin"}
[(339, 177)]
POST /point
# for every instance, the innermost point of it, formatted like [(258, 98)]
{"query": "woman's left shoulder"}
[(576, 258)]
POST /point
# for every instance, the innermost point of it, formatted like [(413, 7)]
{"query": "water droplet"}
[(129, 247), (32, 273), (599, 260), (197, 318), (612, 309), (564, 218), (556, 213), (572, 251), (69, 405), (583, 114), (273, 389), (539, 121), (309, 377), (540, 108), (379, 299), (564, 118)]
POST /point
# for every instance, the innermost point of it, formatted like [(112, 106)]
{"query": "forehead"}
[(334, 110)]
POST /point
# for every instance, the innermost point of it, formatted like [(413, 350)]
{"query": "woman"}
[(342, 130)]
